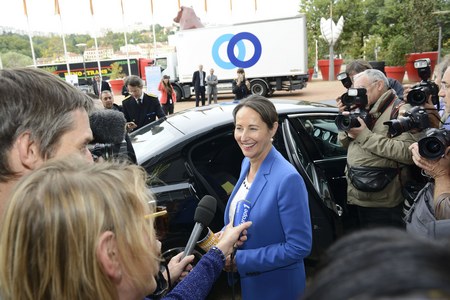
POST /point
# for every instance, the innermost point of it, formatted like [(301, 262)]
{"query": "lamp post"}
[(441, 20), (83, 45)]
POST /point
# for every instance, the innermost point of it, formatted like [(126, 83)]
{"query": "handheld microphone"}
[(204, 214), (108, 126), (242, 212)]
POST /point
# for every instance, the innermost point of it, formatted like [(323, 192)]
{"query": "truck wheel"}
[(178, 92), (258, 87)]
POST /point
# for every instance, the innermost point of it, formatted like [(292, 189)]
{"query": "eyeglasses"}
[(445, 86)]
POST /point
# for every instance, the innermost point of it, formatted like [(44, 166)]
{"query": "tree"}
[(15, 60)]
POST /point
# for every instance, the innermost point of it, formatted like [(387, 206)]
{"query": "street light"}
[(83, 45), (441, 20)]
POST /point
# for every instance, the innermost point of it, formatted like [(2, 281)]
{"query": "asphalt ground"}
[(316, 90)]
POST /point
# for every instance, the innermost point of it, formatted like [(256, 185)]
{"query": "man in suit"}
[(212, 81), (140, 108), (100, 85), (199, 82)]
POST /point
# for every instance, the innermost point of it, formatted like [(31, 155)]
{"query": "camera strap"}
[(391, 99)]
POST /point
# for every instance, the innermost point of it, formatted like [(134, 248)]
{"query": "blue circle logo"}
[(236, 41)]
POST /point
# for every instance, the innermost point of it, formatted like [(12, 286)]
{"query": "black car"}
[(193, 153)]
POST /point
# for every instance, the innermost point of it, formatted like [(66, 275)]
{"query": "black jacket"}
[(142, 114)]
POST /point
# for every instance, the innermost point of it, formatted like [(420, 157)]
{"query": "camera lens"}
[(346, 122), (431, 148), (416, 97)]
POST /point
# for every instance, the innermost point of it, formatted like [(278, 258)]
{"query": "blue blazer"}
[(270, 263)]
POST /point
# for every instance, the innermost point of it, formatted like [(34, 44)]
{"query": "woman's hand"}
[(233, 237), (179, 268)]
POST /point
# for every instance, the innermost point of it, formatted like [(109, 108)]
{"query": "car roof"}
[(164, 133)]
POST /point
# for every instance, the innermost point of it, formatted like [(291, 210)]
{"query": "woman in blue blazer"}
[(270, 264)]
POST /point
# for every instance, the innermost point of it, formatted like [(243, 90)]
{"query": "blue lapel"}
[(261, 178), (258, 184)]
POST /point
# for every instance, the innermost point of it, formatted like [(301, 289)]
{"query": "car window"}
[(217, 159), (322, 132)]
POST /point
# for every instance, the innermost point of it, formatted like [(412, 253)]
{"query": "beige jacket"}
[(373, 148)]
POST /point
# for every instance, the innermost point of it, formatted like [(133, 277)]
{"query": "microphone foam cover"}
[(108, 126), (206, 210)]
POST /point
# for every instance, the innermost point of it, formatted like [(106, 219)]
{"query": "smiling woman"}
[(279, 208)]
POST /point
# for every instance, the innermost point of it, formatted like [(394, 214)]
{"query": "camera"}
[(346, 122), (355, 97), (434, 144), (416, 118), (347, 83), (421, 91), (106, 151)]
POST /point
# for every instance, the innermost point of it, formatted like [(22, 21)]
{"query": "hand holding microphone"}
[(204, 213)]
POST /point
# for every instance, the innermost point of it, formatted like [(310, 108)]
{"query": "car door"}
[(312, 147)]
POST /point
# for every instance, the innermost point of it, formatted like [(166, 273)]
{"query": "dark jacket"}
[(240, 91), (196, 80), (104, 87), (396, 86), (142, 114)]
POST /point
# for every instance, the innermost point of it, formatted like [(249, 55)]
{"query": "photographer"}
[(431, 209), (359, 65), (241, 86), (377, 165), (430, 213)]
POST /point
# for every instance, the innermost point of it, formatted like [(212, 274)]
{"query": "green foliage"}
[(372, 47), (49, 69), (15, 43), (51, 46), (15, 60), (372, 24), (397, 48), (116, 71)]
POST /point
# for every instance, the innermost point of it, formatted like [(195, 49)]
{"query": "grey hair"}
[(375, 75)]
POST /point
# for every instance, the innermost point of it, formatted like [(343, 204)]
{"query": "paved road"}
[(316, 90)]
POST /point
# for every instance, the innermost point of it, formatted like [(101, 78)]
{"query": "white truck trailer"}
[(273, 54)]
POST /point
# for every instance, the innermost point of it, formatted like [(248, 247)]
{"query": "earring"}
[(271, 139)]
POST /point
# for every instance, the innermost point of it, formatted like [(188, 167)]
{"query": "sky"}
[(76, 14)]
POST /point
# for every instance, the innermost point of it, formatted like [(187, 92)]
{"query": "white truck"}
[(273, 54)]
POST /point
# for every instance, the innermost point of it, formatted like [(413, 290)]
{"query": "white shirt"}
[(241, 194), (201, 77)]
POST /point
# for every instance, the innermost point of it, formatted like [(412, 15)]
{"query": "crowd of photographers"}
[(398, 145)]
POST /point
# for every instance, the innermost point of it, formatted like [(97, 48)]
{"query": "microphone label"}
[(242, 212)]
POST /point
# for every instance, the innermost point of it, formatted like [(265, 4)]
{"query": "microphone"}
[(242, 212), (108, 126), (204, 213)]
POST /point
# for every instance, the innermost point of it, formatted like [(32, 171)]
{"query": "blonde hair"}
[(53, 222)]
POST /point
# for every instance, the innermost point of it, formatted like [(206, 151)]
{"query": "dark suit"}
[(199, 87), (142, 114), (104, 87)]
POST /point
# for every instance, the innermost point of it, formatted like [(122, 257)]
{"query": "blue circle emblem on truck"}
[(236, 40)]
